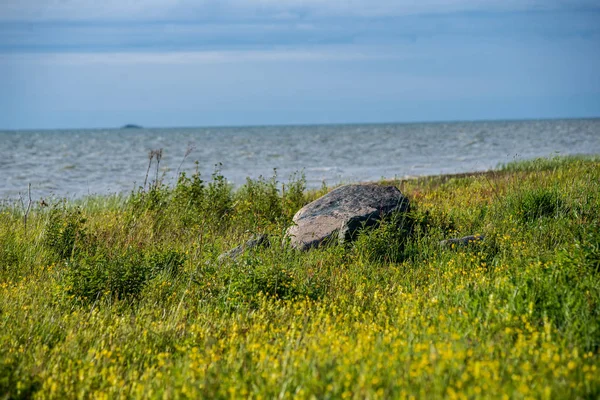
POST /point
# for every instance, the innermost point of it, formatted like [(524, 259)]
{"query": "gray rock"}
[(261, 240), (463, 241), (337, 215)]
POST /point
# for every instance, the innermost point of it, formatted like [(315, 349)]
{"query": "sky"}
[(162, 63)]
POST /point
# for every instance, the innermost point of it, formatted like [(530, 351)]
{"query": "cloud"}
[(271, 9), (311, 33), (325, 53)]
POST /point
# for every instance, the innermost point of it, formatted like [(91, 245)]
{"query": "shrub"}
[(89, 279), (64, 230), (122, 276), (258, 201), (261, 202), (169, 262), (254, 277), (219, 196), (385, 241), (275, 274), (293, 195), (189, 197), (155, 199)]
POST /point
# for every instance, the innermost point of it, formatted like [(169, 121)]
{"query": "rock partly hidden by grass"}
[(337, 216), (124, 297)]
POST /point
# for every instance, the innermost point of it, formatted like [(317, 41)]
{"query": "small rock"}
[(463, 241), (261, 240), (340, 213)]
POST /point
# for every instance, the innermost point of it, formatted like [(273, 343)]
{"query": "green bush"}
[(258, 202), (169, 262), (89, 279), (189, 199), (65, 230), (121, 276), (219, 198), (275, 274), (385, 241), (293, 195), (253, 277), (263, 204)]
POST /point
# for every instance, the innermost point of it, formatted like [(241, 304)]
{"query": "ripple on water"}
[(100, 161)]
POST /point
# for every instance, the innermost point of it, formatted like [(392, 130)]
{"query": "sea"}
[(82, 162)]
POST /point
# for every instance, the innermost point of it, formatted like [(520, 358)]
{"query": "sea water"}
[(76, 163)]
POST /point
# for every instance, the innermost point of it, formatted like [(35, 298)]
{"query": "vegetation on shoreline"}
[(124, 297)]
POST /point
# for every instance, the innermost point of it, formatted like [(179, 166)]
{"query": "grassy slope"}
[(123, 297)]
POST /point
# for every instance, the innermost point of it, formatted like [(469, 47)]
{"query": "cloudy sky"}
[(90, 63)]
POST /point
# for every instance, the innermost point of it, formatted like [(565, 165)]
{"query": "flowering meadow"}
[(114, 297)]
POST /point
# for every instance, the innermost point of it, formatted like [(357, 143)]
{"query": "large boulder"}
[(337, 215)]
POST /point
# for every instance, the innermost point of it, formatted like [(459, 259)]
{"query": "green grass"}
[(123, 297)]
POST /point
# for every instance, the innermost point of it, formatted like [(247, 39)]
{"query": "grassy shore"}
[(123, 297)]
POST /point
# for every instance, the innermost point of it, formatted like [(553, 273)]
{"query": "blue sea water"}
[(75, 163)]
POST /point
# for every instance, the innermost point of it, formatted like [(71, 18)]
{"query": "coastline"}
[(77, 163)]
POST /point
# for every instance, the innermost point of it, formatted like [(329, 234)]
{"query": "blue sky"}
[(89, 63)]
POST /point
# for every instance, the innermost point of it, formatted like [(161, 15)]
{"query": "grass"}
[(123, 297)]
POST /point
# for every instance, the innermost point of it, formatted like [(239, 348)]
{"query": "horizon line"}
[(142, 127)]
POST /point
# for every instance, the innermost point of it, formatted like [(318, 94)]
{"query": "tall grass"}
[(123, 297)]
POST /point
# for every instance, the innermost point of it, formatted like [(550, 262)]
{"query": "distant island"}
[(131, 126)]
